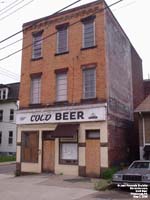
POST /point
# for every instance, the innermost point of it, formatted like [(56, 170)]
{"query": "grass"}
[(102, 184), (7, 158)]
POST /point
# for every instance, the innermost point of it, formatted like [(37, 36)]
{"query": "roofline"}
[(63, 12)]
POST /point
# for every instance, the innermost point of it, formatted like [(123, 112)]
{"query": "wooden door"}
[(48, 155), (92, 157)]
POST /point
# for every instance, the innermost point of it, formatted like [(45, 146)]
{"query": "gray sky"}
[(133, 16)]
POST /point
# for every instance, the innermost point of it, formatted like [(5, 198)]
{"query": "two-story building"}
[(8, 105), (78, 77)]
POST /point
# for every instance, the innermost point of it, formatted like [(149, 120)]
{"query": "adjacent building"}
[(76, 93), (8, 106)]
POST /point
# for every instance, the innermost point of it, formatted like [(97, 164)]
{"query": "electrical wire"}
[(16, 10), (1, 13), (14, 34), (54, 33), (8, 5)]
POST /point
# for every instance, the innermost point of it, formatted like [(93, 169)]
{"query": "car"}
[(138, 172)]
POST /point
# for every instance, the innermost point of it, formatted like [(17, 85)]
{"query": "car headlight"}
[(117, 176), (146, 177)]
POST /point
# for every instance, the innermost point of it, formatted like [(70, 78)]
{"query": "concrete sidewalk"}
[(7, 163), (53, 187)]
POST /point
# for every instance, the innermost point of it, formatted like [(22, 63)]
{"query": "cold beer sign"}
[(53, 116)]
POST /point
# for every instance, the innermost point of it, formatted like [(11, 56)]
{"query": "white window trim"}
[(31, 92), (94, 32), (57, 100), (57, 43), (83, 95)]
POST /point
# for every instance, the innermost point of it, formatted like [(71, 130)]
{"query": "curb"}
[(7, 163)]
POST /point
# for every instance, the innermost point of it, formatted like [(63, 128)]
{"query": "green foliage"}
[(108, 173), (102, 184), (7, 158)]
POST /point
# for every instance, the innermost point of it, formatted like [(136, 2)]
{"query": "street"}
[(52, 187)]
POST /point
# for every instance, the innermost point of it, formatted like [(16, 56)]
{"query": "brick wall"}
[(73, 60), (146, 87)]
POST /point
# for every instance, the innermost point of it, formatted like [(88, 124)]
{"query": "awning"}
[(147, 148), (66, 130)]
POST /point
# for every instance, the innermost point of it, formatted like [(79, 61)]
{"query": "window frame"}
[(73, 140), (66, 87), (11, 115), (10, 138), (34, 35), (32, 100), (61, 28), (0, 137), (1, 115), (86, 68), (83, 33)]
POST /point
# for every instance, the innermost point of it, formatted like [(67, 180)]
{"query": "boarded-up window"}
[(37, 45), (61, 87), (62, 40), (88, 33), (147, 129), (89, 83), (29, 147), (35, 90)]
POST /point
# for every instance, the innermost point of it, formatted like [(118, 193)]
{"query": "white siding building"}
[(8, 107)]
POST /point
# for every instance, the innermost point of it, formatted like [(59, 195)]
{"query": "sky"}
[(133, 16)]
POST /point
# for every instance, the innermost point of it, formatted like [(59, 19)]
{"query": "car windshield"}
[(140, 165)]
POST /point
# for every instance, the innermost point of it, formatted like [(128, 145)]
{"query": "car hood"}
[(134, 172)]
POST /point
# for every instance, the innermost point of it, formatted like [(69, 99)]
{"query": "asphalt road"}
[(7, 169)]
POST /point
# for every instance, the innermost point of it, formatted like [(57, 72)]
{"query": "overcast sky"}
[(133, 16)]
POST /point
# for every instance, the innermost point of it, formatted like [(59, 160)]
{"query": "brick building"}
[(146, 87), (76, 94)]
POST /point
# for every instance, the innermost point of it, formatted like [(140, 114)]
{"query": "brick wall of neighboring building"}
[(146, 87), (73, 60)]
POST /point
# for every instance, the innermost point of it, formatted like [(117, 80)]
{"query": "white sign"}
[(58, 116)]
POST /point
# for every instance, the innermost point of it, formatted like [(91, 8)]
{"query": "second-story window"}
[(62, 38), (89, 83), (1, 115), (11, 116), (61, 86), (37, 45), (3, 93), (88, 32), (35, 90)]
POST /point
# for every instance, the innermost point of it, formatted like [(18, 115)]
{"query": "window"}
[(68, 151), (11, 116), (3, 93), (35, 90), (10, 139), (37, 45), (29, 146), (62, 38), (1, 115), (93, 134), (88, 33), (0, 137), (61, 86), (89, 83)]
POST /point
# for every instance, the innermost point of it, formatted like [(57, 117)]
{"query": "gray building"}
[(8, 107)]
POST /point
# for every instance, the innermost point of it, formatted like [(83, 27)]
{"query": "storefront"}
[(65, 140)]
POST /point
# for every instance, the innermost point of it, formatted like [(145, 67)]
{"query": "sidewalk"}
[(8, 163)]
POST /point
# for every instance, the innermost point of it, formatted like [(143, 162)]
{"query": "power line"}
[(8, 5), (11, 44), (37, 22), (7, 9), (16, 10), (50, 35)]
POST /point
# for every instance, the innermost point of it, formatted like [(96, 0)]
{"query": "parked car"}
[(137, 172)]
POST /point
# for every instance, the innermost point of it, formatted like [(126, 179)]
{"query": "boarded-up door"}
[(48, 154), (93, 154)]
